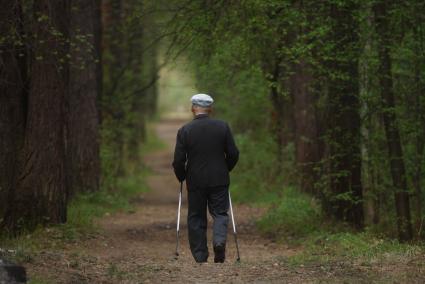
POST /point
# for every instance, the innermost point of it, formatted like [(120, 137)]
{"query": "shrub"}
[(294, 215)]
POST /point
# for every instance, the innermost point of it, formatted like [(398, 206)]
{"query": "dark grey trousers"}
[(217, 201)]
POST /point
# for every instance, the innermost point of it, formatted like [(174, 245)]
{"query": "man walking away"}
[(204, 155)]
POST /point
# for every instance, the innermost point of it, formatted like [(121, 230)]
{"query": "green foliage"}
[(296, 219), (236, 49), (254, 179), (241, 99), (359, 248), (82, 212), (293, 215), (129, 88), (85, 207)]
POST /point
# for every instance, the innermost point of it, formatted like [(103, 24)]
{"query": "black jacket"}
[(205, 152)]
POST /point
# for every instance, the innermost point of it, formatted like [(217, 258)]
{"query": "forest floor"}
[(138, 246)]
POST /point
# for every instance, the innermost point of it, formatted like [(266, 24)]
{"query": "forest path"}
[(143, 243), (138, 246)]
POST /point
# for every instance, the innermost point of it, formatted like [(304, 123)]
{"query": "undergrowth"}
[(293, 216), (82, 212), (255, 177), (296, 219)]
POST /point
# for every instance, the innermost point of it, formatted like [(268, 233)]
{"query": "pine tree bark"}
[(82, 147), (395, 151), (40, 195), (306, 142), (12, 97)]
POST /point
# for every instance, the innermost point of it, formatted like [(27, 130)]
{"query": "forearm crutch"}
[(234, 228), (178, 220)]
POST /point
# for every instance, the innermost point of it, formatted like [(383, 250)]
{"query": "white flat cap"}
[(202, 100)]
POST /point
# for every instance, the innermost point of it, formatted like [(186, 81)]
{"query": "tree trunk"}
[(136, 65), (12, 96), (151, 66), (82, 147), (419, 116), (40, 195), (306, 144), (282, 115), (98, 39), (113, 113), (418, 21), (395, 151), (345, 200)]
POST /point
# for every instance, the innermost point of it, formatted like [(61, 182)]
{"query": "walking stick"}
[(234, 228), (178, 220)]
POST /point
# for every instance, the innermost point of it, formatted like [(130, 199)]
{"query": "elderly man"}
[(205, 153)]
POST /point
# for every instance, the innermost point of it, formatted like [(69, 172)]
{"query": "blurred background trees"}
[(326, 97)]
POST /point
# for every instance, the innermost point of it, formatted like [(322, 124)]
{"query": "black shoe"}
[(219, 253), (202, 258)]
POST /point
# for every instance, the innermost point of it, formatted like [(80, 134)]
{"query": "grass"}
[(356, 248), (86, 207), (294, 216), (115, 272), (295, 219), (39, 280), (82, 212)]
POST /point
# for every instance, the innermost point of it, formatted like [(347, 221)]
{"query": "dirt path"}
[(258, 254), (143, 243), (138, 247)]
